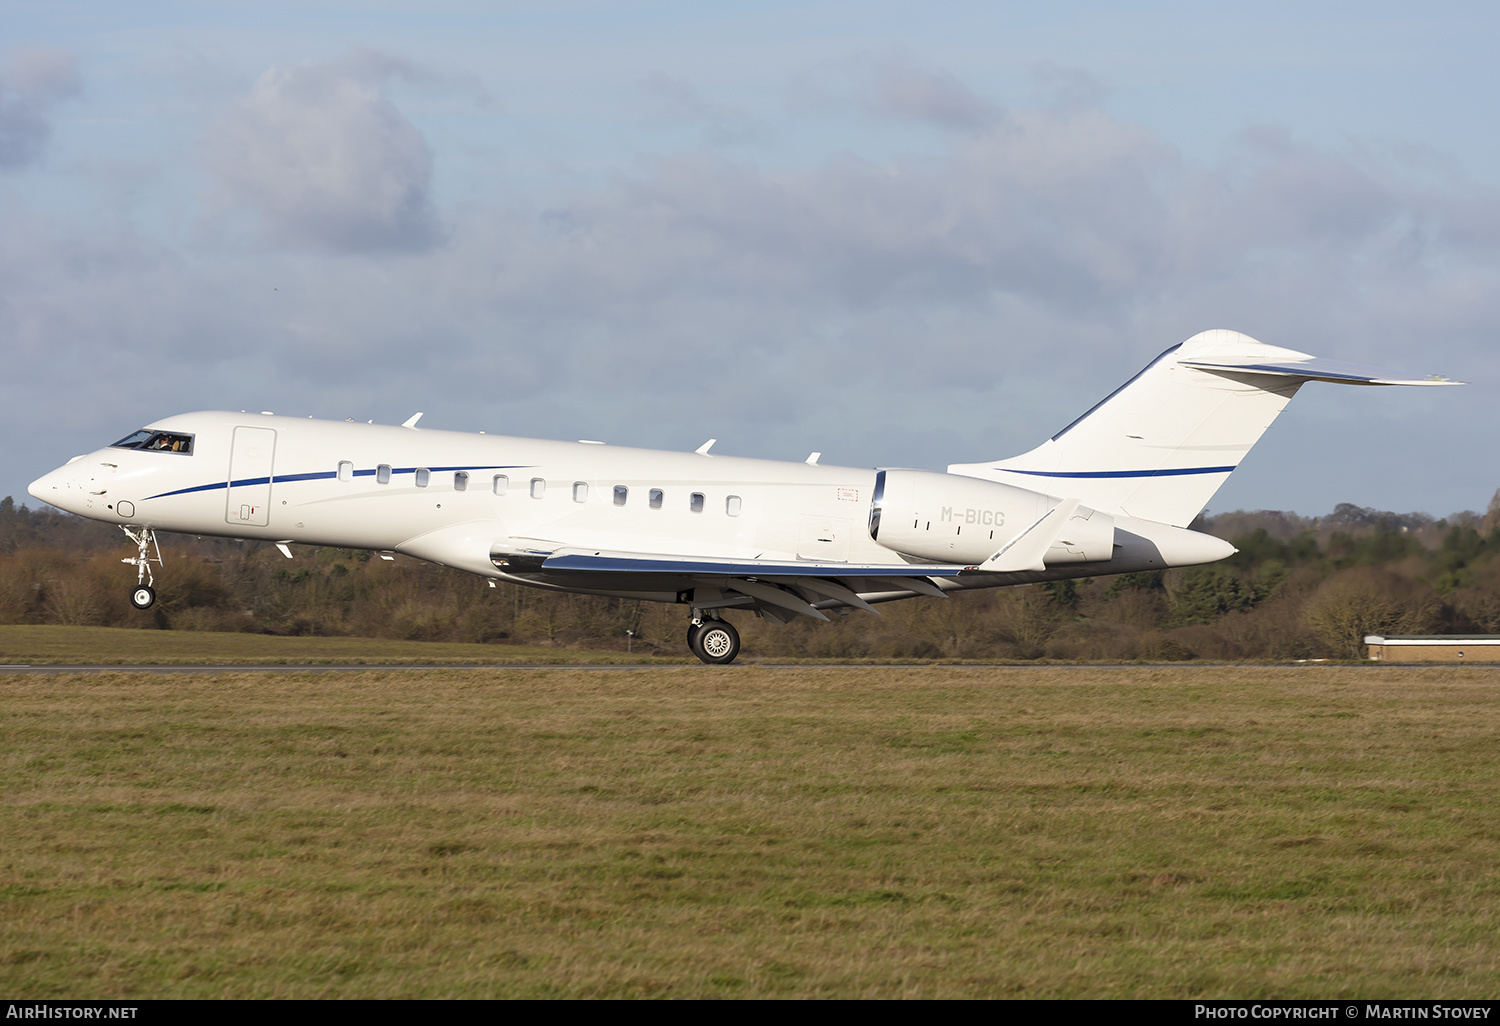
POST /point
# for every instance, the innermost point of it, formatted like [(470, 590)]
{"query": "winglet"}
[(702, 450), (1027, 550), (813, 458), (411, 421)]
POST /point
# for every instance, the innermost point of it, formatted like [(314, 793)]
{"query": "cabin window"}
[(580, 491), (621, 494), (501, 484), (538, 487), (695, 502), (346, 470), (383, 474), (732, 505), (655, 497), (423, 476), (461, 481)]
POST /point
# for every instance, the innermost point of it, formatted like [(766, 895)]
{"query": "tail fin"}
[(1160, 445)]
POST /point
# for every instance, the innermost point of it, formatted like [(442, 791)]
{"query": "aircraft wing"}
[(646, 563), (776, 588)]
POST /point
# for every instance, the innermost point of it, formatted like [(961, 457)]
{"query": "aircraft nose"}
[(56, 489), (43, 486)]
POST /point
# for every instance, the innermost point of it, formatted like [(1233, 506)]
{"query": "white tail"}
[(1160, 445)]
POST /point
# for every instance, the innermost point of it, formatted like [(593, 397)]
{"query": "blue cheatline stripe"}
[(195, 488), (1183, 472), (320, 475)]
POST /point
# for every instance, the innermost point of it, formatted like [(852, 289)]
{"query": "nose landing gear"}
[(714, 641), (143, 596)]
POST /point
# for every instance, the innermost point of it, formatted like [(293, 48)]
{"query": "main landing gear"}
[(143, 596), (713, 640)]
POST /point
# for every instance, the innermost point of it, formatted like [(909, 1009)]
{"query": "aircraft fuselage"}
[(460, 499)]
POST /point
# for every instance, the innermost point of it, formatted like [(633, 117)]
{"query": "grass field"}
[(44, 644), (753, 832)]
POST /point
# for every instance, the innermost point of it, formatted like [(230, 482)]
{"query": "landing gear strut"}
[(714, 641), (143, 596)]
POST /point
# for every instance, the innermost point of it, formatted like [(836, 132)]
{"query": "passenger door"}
[(250, 465)]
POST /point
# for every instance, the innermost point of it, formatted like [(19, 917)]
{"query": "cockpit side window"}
[(156, 441), (133, 440)]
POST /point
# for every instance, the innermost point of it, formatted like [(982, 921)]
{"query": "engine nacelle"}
[(951, 519)]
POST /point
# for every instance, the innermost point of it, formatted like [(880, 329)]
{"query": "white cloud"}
[(954, 305), (895, 86), (321, 159), (671, 100), (34, 80)]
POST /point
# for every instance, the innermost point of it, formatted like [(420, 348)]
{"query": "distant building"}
[(1435, 648)]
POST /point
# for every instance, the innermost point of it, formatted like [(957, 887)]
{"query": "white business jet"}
[(1113, 492)]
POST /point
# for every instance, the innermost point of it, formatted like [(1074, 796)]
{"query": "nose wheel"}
[(714, 641), (147, 552)]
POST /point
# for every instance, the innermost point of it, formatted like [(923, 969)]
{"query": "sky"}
[(899, 234)]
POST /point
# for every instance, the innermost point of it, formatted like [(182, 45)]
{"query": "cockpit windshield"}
[(156, 441)]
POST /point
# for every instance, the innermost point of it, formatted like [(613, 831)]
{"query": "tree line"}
[(1299, 587)]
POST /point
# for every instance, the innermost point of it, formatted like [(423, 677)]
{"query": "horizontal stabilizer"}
[(1313, 369)]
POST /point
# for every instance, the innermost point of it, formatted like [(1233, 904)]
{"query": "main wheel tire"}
[(718, 642), (694, 629), (143, 597)]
